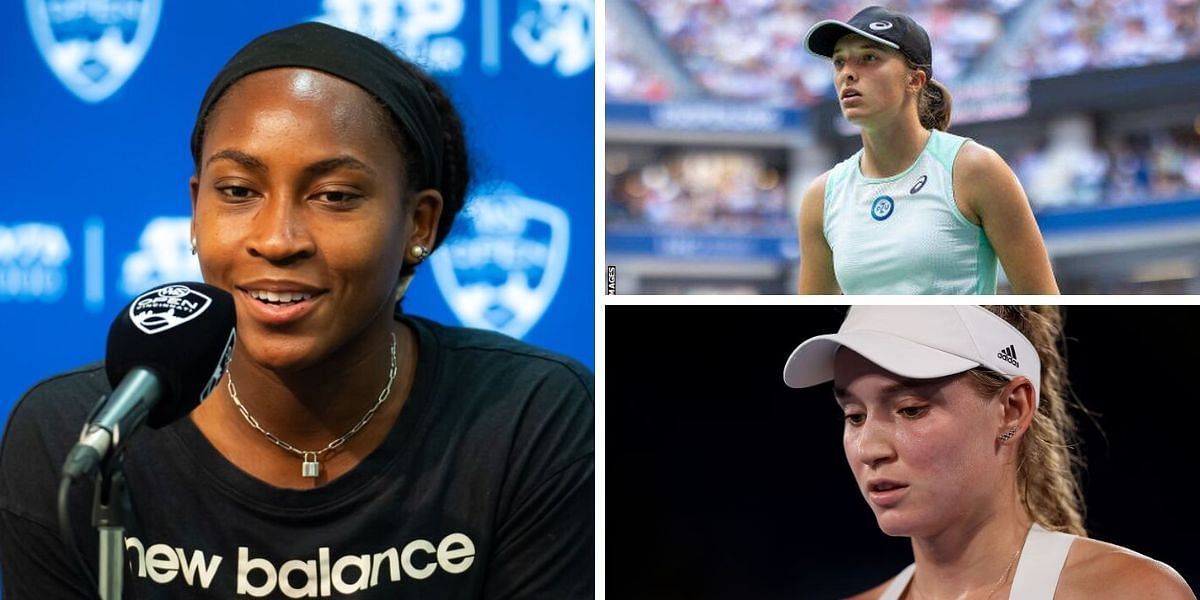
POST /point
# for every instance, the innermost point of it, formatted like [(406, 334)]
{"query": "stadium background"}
[(717, 119), (96, 205)]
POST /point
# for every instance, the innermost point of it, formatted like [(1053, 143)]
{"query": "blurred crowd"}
[(1129, 169), (1077, 35), (697, 190), (741, 191), (627, 74), (753, 50)]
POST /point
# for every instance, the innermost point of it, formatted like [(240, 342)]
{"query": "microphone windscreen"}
[(181, 331)]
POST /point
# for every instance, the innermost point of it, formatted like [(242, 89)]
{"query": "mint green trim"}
[(946, 153), (985, 257), (858, 164), (836, 175), (945, 146)]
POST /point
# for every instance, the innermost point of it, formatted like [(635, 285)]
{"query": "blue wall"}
[(95, 206)]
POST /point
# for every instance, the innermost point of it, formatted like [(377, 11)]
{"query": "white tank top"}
[(1036, 578), (904, 234)]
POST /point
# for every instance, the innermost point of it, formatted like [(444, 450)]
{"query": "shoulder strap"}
[(1041, 563), (840, 173), (898, 584), (944, 147)]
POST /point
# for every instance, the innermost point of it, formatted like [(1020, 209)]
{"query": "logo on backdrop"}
[(33, 259), (502, 266), (414, 28), (93, 47), (161, 309), (558, 31), (164, 254)]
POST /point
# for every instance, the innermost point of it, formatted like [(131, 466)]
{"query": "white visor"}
[(919, 342)]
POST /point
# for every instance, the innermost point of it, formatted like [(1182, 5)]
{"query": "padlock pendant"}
[(310, 468)]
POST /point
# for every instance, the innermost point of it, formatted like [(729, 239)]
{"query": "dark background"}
[(722, 482)]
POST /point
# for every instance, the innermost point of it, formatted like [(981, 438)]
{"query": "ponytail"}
[(1048, 462), (933, 106)]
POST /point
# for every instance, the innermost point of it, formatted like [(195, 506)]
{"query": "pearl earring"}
[(418, 252)]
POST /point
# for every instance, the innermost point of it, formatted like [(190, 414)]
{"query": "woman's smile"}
[(278, 303)]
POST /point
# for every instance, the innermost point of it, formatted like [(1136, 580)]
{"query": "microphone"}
[(166, 351)]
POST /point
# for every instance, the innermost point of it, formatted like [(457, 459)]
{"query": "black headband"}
[(350, 56)]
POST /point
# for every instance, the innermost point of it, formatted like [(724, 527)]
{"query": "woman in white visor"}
[(959, 436)]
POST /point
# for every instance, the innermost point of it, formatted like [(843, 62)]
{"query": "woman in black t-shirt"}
[(348, 451)]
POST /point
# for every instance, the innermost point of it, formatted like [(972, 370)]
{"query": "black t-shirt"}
[(484, 488)]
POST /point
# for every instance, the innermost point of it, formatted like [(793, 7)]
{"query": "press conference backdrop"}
[(99, 104)]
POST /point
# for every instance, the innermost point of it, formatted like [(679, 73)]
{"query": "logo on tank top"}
[(920, 184), (882, 208), (93, 47)]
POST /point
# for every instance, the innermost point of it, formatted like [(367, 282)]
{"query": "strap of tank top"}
[(1036, 578), (1041, 563), (898, 584)]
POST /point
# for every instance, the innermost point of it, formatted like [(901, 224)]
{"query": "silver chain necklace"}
[(311, 466), (1006, 572), (995, 587)]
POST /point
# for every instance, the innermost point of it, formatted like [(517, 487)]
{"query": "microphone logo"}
[(162, 308)]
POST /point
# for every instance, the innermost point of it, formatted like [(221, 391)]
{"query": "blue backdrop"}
[(100, 99)]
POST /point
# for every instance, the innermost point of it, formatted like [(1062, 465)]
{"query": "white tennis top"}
[(1036, 578)]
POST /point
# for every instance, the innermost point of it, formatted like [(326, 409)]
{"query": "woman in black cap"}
[(350, 450), (917, 210), (958, 434)]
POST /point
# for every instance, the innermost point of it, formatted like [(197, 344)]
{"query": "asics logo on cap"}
[(1009, 355), (880, 25)]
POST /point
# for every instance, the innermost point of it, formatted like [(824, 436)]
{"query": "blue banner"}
[(101, 100), (702, 246), (708, 116)]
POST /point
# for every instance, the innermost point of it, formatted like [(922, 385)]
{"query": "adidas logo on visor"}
[(1009, 355)]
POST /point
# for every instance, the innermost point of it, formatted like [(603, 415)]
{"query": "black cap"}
[(878, 24)]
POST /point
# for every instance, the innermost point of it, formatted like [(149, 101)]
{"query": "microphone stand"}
[(110, 509)]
